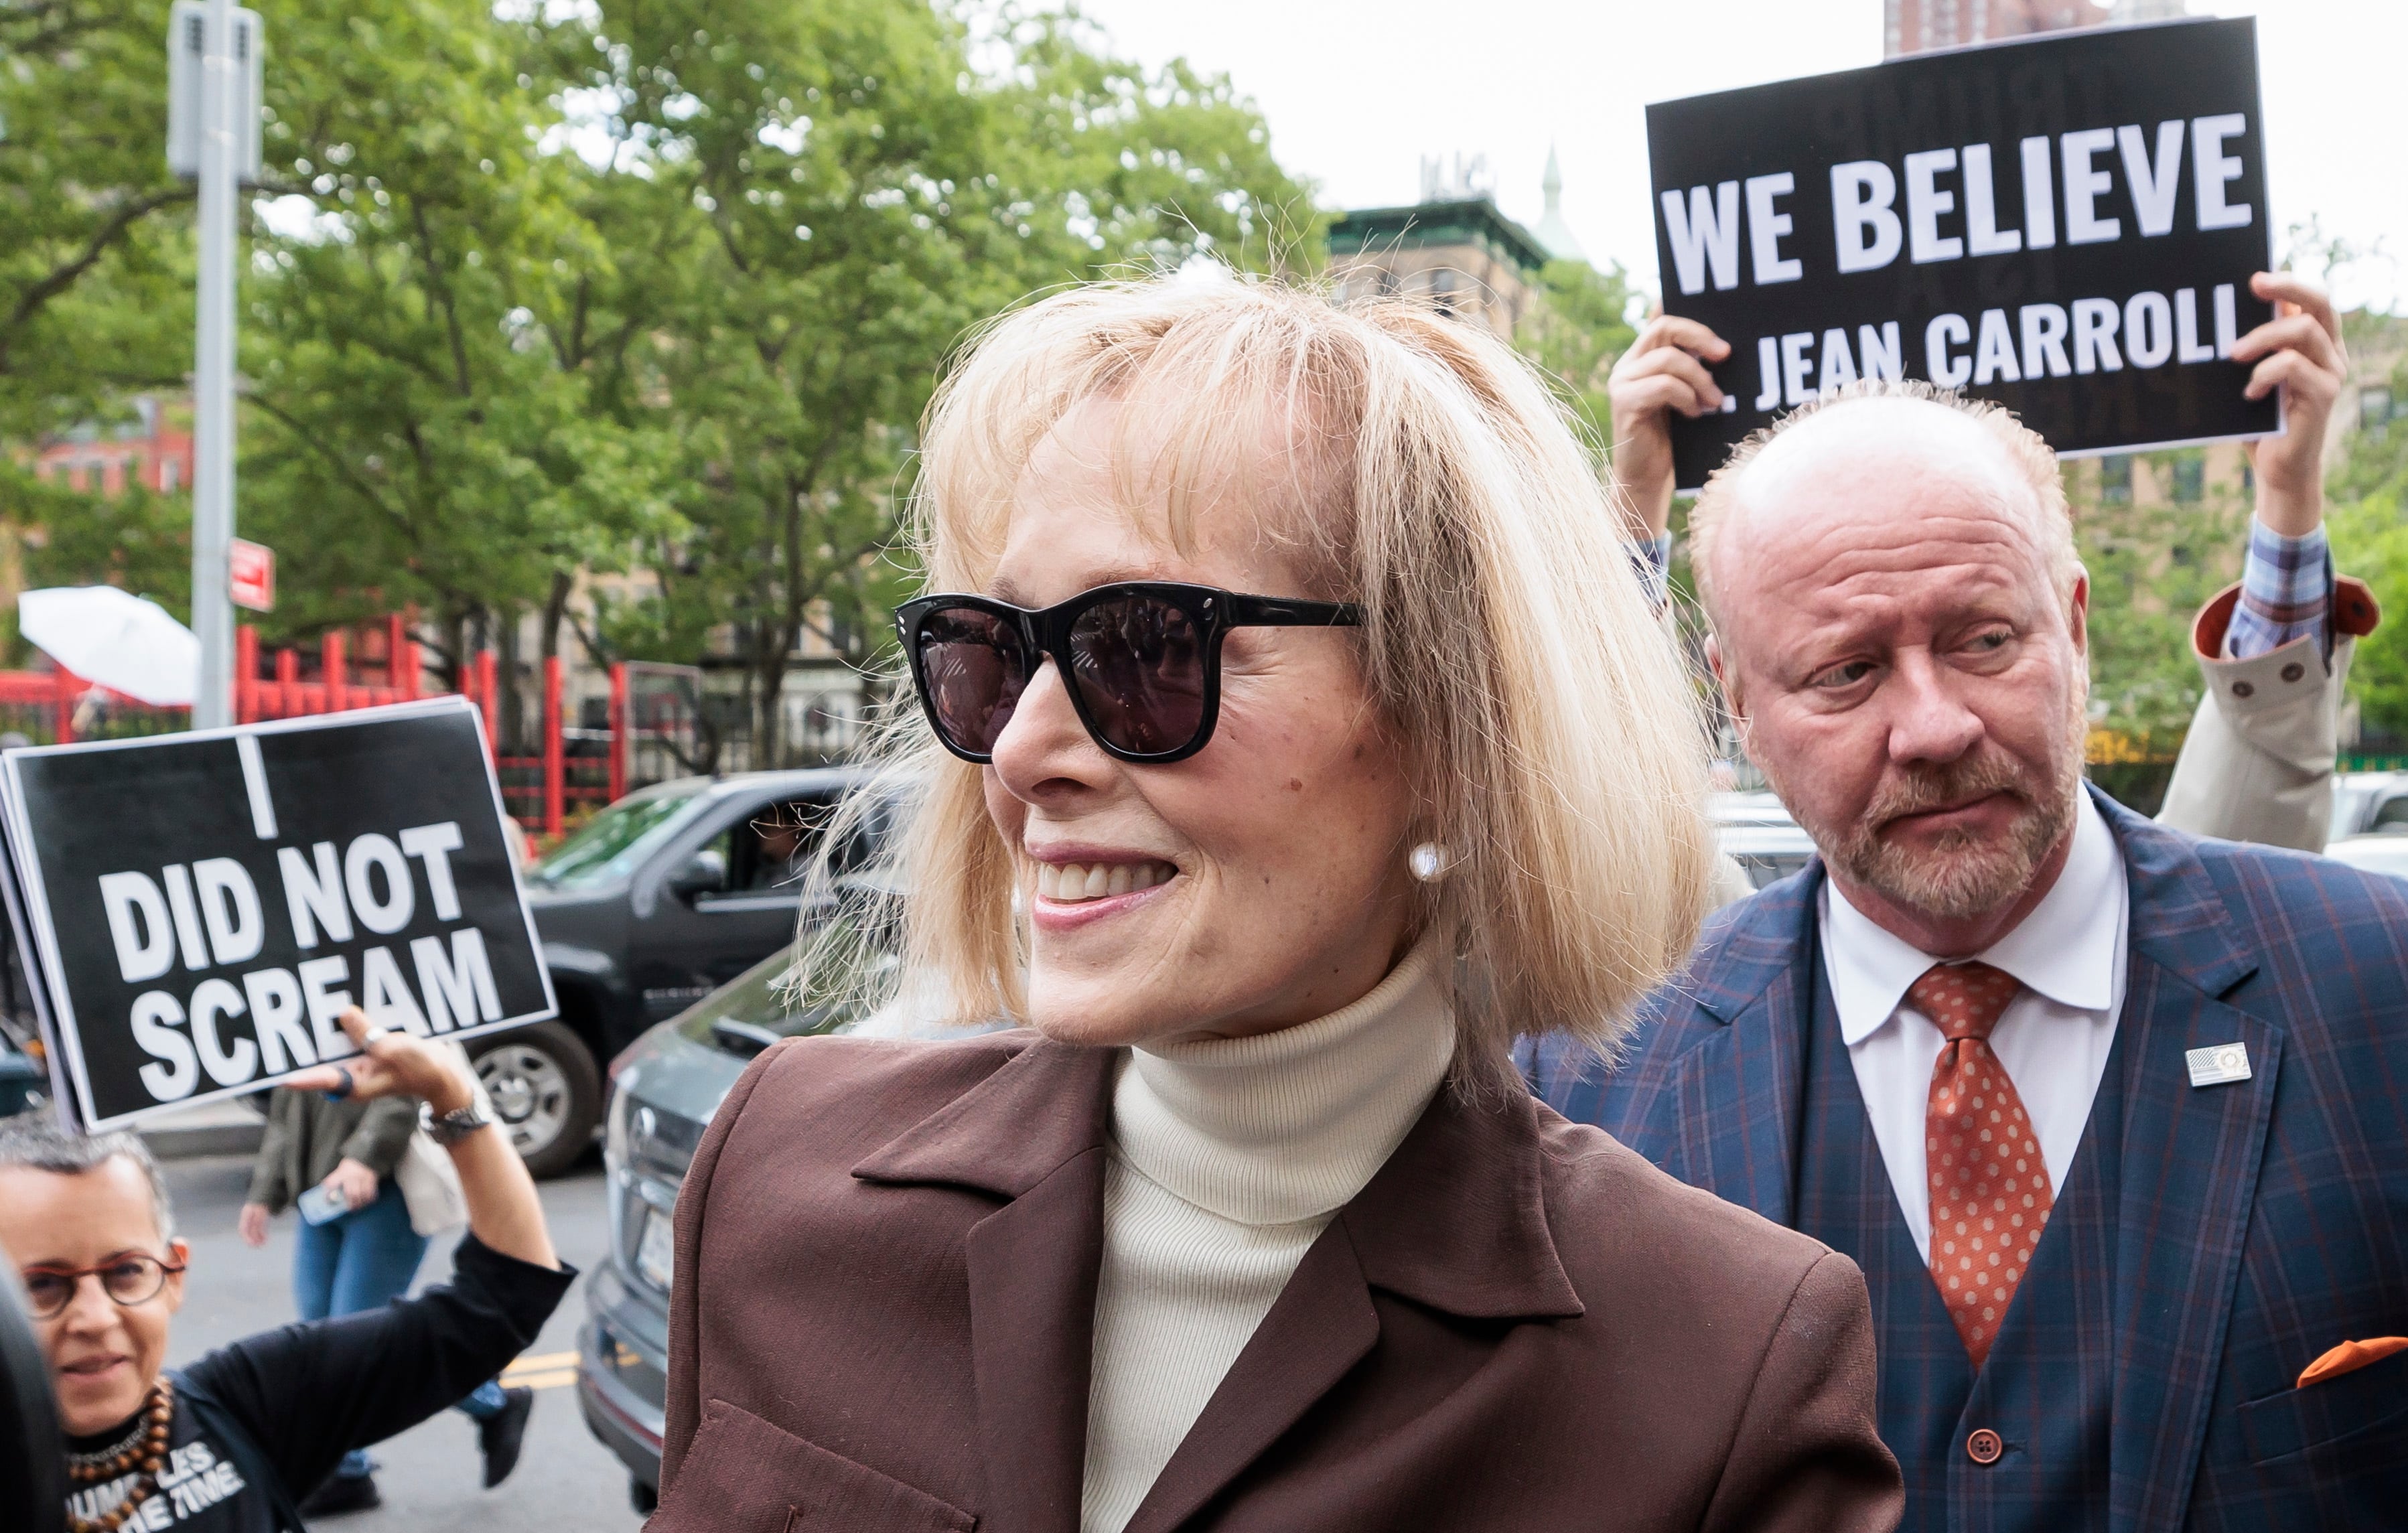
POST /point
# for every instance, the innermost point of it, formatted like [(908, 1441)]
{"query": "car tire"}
[(643, 1497), (546, 1091)]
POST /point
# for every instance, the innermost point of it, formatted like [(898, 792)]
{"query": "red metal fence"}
[(590, 770)]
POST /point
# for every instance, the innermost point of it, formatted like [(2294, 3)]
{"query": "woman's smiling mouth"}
[(1076, 883)]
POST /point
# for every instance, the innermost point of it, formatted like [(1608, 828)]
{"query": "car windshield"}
[(757, 1008), (610, 845)]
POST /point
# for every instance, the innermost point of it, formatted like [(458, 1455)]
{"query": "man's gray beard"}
[(1958, 876)]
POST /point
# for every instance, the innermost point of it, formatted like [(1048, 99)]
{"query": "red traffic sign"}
[(252, 575)]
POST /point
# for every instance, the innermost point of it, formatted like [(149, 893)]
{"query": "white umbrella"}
[(122, 642)]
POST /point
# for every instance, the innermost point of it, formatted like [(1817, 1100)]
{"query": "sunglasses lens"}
[(1140, 664), (972, 669)]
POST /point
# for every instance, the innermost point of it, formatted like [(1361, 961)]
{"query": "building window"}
[(2375, 410), (2116, 479), (2191, 477), (171, 473)]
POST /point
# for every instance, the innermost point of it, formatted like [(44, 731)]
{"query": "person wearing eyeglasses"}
[(1294, 734), (229, 1445)]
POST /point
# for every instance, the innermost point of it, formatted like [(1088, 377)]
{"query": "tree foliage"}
[(2370, 537), (536, 292), (1575, 332)]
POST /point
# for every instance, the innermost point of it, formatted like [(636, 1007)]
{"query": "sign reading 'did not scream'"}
[(2066, 224), (203, 907)]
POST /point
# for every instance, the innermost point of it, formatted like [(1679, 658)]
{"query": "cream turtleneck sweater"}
[(1229, 1158)]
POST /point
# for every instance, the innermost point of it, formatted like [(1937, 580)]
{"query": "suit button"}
[(2293, 671), (1983, 1447), (2241, 689)]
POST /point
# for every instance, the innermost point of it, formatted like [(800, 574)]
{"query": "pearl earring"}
[(1428, 862)]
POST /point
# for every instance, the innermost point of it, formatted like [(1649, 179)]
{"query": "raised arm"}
[(310, 1393), (2275, 649), (503, 1210)]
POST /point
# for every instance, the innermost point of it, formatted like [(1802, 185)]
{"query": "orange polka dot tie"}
[(1990, 1194)]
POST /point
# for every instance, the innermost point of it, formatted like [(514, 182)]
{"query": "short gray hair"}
[(41, 1147)]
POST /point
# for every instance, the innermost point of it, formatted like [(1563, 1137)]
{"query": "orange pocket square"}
[(2350, 1356)]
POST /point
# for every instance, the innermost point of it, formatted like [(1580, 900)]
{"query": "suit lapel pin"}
[(2219, 1065)]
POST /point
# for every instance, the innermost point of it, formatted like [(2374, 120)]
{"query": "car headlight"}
[(614, 1132)]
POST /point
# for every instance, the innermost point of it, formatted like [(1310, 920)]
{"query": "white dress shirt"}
[(2053, 1039)]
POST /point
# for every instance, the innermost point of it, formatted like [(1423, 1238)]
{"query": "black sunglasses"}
[(1141, 659)]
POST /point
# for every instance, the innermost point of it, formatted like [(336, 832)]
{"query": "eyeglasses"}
[(1140, 660), (130, 1280)]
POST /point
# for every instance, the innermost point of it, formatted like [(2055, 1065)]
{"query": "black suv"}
[(660, 899)]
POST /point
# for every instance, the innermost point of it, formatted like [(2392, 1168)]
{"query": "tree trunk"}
[(555, 607), (513, 722)]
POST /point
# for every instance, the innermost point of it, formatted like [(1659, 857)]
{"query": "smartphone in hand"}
[(322, 1203)]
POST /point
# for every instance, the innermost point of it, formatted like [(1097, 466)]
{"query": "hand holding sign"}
[(2299, 352), (390, 1063), (1659, 377)]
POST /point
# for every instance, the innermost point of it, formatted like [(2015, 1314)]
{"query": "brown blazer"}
[(886, 1260)]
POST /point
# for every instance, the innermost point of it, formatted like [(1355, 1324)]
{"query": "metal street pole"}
[(222, 88)]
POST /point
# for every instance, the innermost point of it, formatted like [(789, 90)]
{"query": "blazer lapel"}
[(1321, 1328), (1733, 1100), (1455, 1221), (1035, 1132), (2189, 1177)]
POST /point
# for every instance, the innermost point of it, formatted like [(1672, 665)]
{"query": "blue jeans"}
[(365, 1260)]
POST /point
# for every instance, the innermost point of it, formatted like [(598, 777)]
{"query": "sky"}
[(1355, 93)]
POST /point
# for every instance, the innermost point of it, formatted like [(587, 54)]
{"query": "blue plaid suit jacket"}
[(2257, 1224)]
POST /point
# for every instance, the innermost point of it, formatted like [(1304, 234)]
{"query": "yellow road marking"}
[(556, 1380), (539, 1364)]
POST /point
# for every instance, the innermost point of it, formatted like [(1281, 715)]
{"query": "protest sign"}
[(2066, 224), (204, 905)]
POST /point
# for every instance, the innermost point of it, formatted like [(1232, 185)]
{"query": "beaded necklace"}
[(145, 1449)]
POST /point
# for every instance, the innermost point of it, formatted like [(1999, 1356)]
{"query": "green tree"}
[(2369, 523), (2153, 563), (441, 406), (1576, 332), (94, 285), (864, 194), (96, 294)]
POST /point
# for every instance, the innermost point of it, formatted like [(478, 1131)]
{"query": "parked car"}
[(2384, 851), (2367, 803), (655, 902), (663, 1093), (25, 1084), (1756, 832)]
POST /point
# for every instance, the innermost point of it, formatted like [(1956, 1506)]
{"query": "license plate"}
[(656, 1250)]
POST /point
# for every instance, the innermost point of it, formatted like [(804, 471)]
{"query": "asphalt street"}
[(429, 1474)]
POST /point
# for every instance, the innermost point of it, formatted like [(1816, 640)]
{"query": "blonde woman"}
[(1297, 737)]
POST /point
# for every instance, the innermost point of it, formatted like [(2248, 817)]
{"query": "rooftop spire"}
[(1553, 231)]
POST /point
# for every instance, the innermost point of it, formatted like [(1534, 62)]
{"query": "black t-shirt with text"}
[(306, 1393)]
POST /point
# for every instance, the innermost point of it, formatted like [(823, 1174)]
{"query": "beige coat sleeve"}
[(2259, 762)]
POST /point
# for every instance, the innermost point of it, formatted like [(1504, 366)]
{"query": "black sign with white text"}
[(204, 905), (2066, 224)]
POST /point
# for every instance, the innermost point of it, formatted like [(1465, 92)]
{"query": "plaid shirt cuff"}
[(1651, 559), (2286, 592)]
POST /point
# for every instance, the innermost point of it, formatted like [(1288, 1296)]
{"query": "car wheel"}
[(546, 1092), (645, 1500)]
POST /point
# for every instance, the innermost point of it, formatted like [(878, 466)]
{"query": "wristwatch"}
[(455, 1125)]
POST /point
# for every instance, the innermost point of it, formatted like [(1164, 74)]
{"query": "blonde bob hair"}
[(1410, 463)]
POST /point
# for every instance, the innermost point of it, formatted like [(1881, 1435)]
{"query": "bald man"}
[(2114, 1118)]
